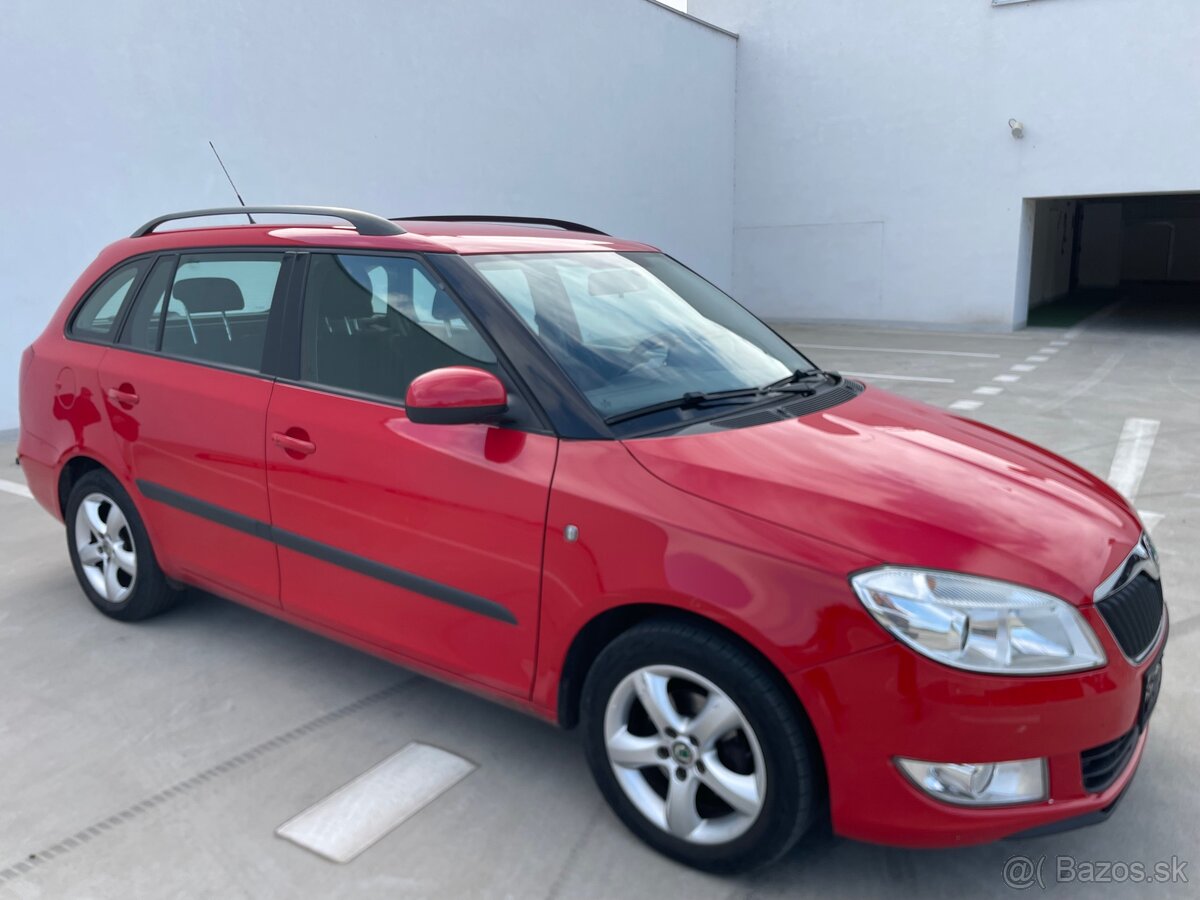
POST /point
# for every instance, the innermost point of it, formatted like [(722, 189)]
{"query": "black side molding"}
[(418, 584)]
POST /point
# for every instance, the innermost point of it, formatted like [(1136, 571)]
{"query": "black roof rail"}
[(513, 220), (363, 222)]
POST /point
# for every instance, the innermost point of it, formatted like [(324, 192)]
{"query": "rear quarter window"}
[(97, 318)]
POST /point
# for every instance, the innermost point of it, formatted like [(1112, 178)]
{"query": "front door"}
[(422, 539)]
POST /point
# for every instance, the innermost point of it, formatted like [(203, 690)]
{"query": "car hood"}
[(907, 484)]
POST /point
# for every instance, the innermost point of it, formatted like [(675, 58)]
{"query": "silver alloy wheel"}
[(684, 754), (104, 543)]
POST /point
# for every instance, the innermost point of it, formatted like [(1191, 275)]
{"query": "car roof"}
[(428, 236)]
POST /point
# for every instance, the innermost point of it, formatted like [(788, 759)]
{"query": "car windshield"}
[(637, 329)]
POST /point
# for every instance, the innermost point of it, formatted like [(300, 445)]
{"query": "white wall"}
[(616, 113), (876, 174)]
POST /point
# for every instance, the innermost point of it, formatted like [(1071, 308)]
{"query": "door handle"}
[(124, 396), (294, 442)]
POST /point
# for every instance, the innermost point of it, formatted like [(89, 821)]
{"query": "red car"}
[(562, 470)]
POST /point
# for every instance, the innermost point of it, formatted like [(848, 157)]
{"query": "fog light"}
[(979, 784)]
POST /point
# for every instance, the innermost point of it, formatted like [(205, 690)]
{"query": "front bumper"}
[(1084, 820), (889, 701)]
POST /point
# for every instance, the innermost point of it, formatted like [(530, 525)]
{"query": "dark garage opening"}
[(1138, 257)]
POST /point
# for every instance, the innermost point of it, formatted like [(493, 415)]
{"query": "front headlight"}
[(979, 624)]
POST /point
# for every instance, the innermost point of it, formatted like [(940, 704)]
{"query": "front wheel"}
[(697, 748)]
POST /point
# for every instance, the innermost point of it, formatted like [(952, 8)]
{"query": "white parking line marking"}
[(1007, 378), (15, 487), (966, 404), (1023, 367), (355, 816), (903, 350), (1132, 456), (988, 390), (1059, 343), (1038, 359), (899, 377), (1048, 350)]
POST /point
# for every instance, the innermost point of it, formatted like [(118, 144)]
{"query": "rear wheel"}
[(697, 748), (111, 551)]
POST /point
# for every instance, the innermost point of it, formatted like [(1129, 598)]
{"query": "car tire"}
[(111, 553), (732, 775)]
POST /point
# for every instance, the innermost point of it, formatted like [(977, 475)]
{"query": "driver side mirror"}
[(455, 395)]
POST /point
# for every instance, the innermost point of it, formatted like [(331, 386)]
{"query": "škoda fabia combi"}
[(561, 469)]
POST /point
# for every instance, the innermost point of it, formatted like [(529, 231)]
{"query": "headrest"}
[(209, 295), (339, 293), (444, 309)]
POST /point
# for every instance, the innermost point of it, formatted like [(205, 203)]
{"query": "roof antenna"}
[(231, 184)]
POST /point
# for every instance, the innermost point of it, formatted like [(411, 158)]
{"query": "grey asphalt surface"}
[(244, 721)]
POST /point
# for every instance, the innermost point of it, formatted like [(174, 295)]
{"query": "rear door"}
[(187, 400), (422, 539)]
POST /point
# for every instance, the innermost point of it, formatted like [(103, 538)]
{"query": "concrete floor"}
[(255, 720)]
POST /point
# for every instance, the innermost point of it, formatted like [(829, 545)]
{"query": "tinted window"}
[(98, 316), (141, 330), (218, 307), (374, 323)]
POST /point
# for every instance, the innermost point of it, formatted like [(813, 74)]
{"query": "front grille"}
[(1134, 614), (1102, 765)]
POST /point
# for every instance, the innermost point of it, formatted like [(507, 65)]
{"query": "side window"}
[(374, 323), (142, 328), (218, 307), (97, 318)]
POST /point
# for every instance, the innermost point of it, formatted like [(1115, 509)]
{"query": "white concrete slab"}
[(355, 816)]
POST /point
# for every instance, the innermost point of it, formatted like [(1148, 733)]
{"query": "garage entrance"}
[(1138, 256)]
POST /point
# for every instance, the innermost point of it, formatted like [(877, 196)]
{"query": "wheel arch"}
[(73, 470), (606, 626)]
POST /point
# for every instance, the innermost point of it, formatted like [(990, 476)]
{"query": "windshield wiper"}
[(798, 376), (689, 400), (693, 399)]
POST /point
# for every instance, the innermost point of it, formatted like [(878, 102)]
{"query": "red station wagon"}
[(562, 470)]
